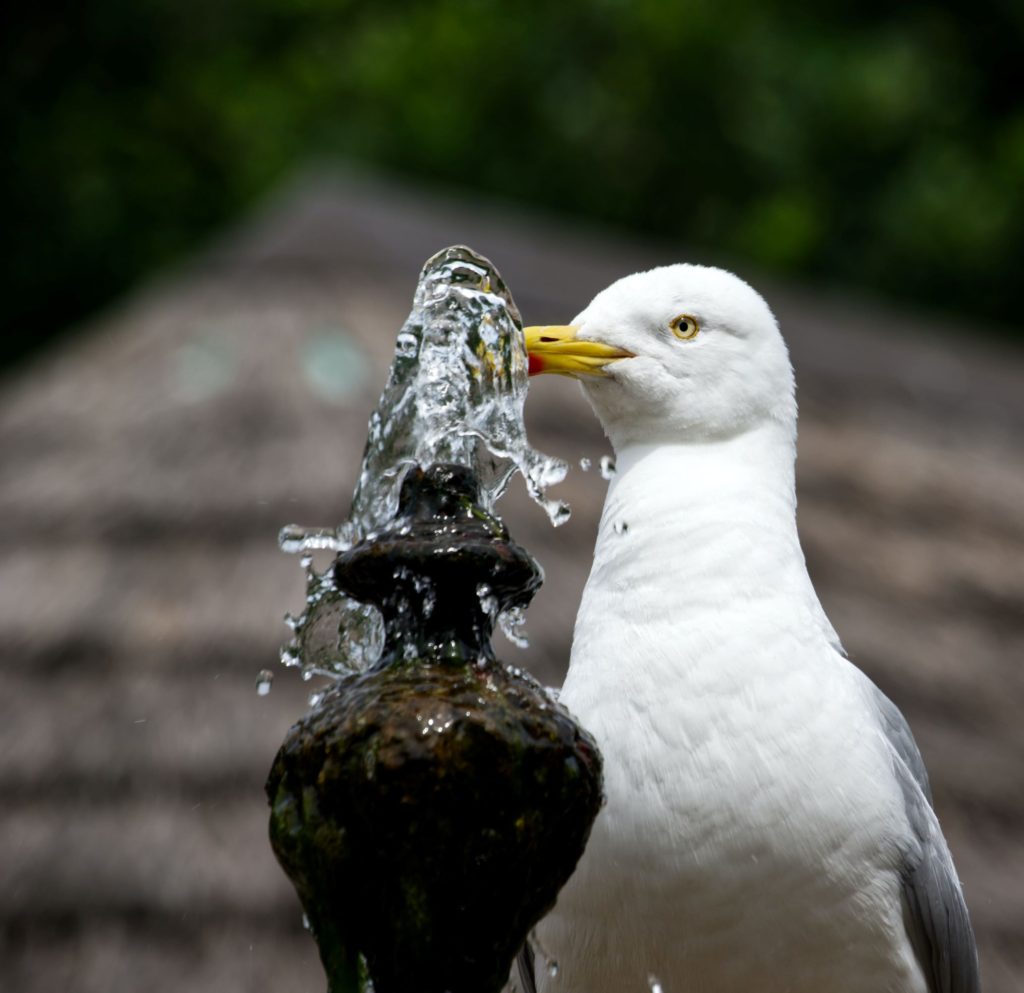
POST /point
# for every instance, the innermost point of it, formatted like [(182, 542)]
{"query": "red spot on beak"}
[(536, 364)]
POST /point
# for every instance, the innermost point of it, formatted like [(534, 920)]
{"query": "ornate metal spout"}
[(442, 572)]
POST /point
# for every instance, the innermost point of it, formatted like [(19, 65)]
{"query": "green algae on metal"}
[(428, 819)]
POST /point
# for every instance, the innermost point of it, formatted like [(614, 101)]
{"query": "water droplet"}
[(407, 345), (607, 467), (264, 681), (541, 955), (306, 924), (488, 601), (585, 464), (552, 472), (425, 588), (290, 538), (654, 983), (558, 512), (513, 625), (315, 699), (293, 538)]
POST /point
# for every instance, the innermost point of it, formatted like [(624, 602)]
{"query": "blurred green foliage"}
[(866, 143)]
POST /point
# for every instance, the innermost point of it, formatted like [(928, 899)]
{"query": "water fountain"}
[(433, 802)]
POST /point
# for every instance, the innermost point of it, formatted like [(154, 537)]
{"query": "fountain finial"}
[(431, 806)]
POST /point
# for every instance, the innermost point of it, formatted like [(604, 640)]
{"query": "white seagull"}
[(769, 826)]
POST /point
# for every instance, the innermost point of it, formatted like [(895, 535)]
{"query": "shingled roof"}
[(147, 467)]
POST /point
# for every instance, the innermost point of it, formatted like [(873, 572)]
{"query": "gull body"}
[(768, 823)]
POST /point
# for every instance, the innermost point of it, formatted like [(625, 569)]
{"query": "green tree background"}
[(866, 144)]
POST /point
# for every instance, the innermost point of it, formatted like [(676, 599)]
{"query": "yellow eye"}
[(684, 326)]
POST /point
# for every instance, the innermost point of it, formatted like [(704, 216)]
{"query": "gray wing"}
[(934, 908)]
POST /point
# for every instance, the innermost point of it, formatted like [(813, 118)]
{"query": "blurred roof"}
[(149, 464)]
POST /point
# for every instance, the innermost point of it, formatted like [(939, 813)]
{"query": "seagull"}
[(769, 825)]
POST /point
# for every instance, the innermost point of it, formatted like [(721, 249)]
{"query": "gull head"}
[(679, 353)]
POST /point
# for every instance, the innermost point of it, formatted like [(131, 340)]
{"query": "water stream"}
[(455, 393)]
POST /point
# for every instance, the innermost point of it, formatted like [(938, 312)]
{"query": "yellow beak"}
[(555, 348)]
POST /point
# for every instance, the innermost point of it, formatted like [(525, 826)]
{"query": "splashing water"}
[(455, 393), (335, 634)]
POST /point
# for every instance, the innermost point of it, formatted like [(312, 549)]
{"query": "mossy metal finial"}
[(429, 810)]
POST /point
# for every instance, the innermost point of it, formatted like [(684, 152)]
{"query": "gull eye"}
[(684, 326)]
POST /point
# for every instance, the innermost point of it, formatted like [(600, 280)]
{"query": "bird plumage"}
[(768, 823)]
